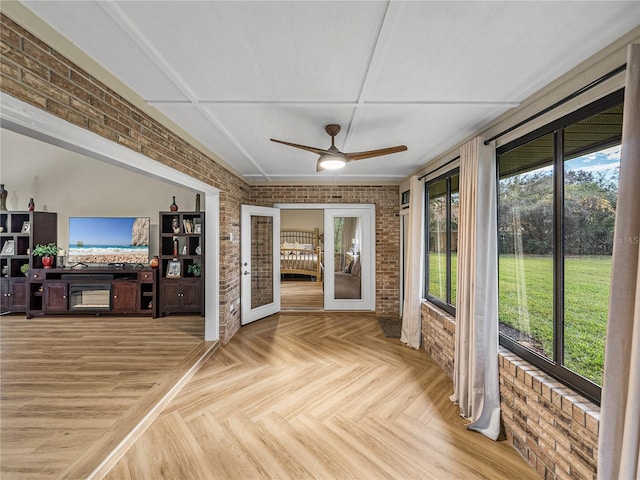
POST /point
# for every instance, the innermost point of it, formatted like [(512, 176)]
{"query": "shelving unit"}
[(16, 244), (181, 245)]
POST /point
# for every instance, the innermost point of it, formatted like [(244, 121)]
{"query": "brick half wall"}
[(552, 427)]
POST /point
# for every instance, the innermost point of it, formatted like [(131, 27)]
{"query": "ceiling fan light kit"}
[(334, 159), (331, 162)]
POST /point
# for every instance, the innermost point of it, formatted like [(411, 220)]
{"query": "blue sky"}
[(607, 161), (100, 230)]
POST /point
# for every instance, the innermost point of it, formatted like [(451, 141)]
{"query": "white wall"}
[(302, 220), (71, 184)]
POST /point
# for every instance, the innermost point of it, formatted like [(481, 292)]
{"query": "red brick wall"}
[(438, 336), (386, 200), (37, 74)]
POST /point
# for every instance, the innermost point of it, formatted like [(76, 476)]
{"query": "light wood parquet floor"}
[(299, 295), (75, 388), (316, 396)]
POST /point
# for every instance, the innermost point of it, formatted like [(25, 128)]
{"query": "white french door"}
[(260, 262), (349, 254)]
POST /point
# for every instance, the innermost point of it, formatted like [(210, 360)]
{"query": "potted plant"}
[(47, 252), (24, 268), (195, 269)]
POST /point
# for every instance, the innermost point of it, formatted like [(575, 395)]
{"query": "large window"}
[(556, 210), (441, 258)]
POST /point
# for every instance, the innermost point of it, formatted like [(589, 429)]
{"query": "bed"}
[(300, 253)]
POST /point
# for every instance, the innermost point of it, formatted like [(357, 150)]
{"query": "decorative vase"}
[(47, 261), (197, 202), (32, 205), (154, 262), (175, 247), (3, 198), (173, 207)]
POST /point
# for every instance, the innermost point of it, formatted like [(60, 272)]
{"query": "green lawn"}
[(437, 275), (526, 304), (586, 305)]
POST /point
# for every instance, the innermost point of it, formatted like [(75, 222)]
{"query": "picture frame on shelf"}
[(26, 227), (173, 269), (197, 228), (8, 248)]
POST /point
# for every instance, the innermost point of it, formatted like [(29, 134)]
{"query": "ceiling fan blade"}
[(319, 151), (375, 153)]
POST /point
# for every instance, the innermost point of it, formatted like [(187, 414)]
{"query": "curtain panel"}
[(475, 376), (411, 320), (619, 440)]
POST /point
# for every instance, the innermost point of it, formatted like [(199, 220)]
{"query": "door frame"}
[(371, 209)]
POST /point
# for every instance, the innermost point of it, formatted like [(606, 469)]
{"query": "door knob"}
[(246, 273)]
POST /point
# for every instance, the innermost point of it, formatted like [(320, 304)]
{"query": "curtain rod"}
[(441, 166), (571, 96)]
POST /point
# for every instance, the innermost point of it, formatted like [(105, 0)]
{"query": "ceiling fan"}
[(333, 159)]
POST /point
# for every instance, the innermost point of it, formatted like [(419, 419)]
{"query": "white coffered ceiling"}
[(426, 74)]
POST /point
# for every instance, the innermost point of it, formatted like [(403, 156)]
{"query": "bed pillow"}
[(284, 246), (306, 246)]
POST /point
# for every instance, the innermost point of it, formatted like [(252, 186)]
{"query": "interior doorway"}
[(343, 250), (300, 289)]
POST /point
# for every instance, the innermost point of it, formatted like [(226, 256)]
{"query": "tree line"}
[(525, 213)]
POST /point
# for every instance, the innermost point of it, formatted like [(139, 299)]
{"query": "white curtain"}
[(619, 441), (475, 375), (411, 322)]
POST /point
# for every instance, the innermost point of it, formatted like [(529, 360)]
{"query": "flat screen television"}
[(108, 240)]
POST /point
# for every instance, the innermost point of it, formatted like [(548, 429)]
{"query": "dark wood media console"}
[(97, 291)]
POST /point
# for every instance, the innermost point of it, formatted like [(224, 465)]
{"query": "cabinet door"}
[(18, 295), (55, 297), (170, 296), (13, 295), (190, 290), (124, 295)]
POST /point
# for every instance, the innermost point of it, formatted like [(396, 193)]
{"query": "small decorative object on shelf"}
[(194, 268), (154, 262), (3, 198), (32, 205), (47, 252), (173, 207), (175, 247), (175, 225), (24, 268), (197, 202), (173, 270), (8, 248)]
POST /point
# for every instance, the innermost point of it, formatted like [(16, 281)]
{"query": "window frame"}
[(444, 304), (554, 367)]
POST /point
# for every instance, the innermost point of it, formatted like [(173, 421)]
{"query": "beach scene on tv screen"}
[(109, 239)]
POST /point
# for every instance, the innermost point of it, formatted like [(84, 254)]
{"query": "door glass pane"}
[(347, 244), (525, 242), (261, 261), (591, 173), (438, 239)]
